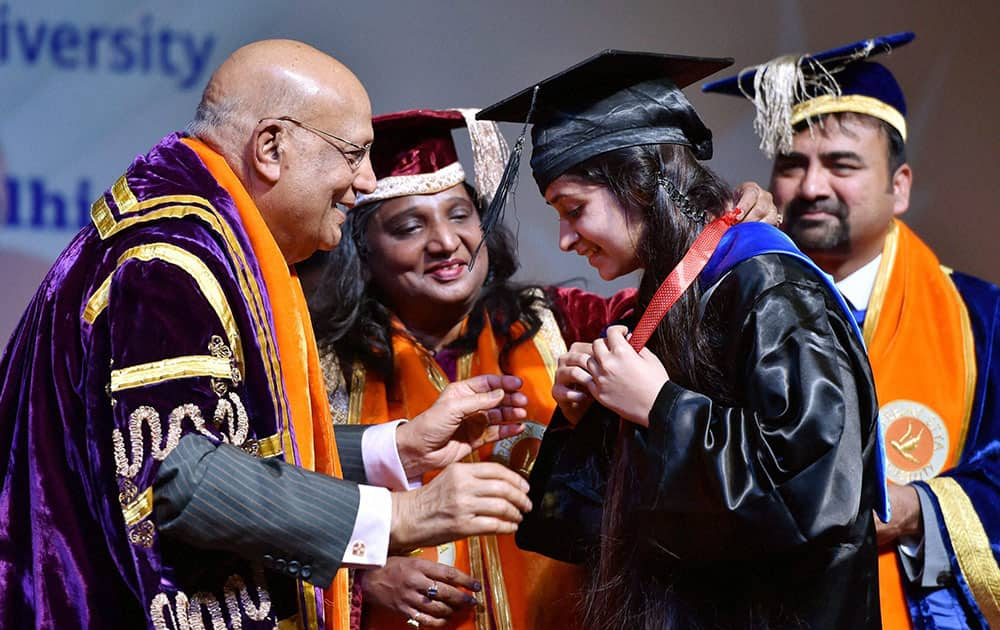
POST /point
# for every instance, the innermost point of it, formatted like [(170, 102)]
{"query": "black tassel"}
[(508, 184)]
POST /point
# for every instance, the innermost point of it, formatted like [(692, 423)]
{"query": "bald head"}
[(290, 121), (272, 78)]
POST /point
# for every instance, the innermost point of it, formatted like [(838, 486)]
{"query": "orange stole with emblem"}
[(521, 590), (921, 349)]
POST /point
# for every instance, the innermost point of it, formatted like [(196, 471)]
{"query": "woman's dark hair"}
[(622, 594), (351, 319)]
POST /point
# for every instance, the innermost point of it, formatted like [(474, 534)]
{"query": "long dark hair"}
[(351, 319), (624, 591)]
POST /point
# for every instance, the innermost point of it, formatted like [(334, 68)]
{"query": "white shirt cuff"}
[(368, 546), (381, 457)]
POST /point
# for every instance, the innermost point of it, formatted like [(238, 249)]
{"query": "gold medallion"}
[(520, 451)]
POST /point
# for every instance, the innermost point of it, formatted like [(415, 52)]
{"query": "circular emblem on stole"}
[(916, 441), (520, 451)]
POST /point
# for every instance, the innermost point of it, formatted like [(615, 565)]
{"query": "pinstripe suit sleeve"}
[(218, 497), (349, 447)]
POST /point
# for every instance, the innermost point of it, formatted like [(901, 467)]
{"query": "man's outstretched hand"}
[(464, 500), (465, 416)]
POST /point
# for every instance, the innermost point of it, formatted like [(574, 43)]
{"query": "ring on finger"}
[(432, 590), (413, 623)]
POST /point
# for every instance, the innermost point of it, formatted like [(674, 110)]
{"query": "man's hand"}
[(757, 204), (402, 587), (464, 500), (571, 381), (465, 416), (906, 516)]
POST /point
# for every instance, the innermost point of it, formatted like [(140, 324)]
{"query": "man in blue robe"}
[(842, 180)]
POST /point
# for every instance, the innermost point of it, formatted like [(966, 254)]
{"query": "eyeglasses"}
[(354, 157)]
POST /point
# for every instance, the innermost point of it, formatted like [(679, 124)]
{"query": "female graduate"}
[(739, 490), (401, 312)]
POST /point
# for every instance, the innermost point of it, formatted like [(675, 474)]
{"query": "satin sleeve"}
[(783, 467), (584, 315)]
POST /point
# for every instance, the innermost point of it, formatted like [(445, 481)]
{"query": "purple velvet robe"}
[(153, 323)]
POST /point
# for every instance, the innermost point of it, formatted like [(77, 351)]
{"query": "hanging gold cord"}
[(484, 551)]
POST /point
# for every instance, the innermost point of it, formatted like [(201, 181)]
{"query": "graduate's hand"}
[(623, 380), (571, 381), (402, 587), (465, 416), (757, 204), (906, 516), (464, 500)]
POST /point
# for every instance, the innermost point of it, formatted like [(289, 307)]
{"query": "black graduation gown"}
[(754, 511)]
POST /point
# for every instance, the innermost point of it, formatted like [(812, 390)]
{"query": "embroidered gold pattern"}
[(193, 206), (231, 414), (211, 603), (336, 387), (217, 348), (188, 613), (549, 341), (423, 184), (972, 546), (142, 415), (137, 507), (107, 225), (161, 605), (256, 611), (141, 534), (128, 491)]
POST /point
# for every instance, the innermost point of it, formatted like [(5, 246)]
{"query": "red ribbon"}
[(681, 277)]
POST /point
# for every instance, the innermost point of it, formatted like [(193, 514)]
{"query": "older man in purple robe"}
[(160, 414)]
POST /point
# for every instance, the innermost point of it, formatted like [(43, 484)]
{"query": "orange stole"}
[(920, 346), (521, 590), (300, 372)]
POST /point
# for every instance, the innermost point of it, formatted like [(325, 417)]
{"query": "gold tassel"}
[(489, 153)]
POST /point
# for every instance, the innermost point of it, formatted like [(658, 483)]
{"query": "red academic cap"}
[(414, 153)]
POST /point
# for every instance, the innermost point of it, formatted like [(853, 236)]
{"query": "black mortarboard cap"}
[(794, 88), (613, 100)]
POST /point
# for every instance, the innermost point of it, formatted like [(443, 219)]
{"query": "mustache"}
[(834, 207)]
